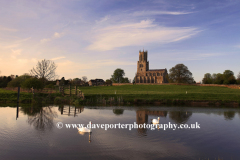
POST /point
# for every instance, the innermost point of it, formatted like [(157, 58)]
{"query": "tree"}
[(219, 78), (133, 81), (207, 79), (126, 80), (238, 78), (62, 81), (84, 78), (229, 78), (45, 69), (18, 80), (180, 74), (32, 82), (108, 82), (76, 81), (117, 76), (4, 81)]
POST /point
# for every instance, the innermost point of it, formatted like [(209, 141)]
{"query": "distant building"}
[(57, 82), (96, 82), (78, 82), (145, 75)]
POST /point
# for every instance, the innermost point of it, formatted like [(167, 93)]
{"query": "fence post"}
[(70, 89), (18, 95)]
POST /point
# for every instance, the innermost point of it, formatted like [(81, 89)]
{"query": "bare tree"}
[(45, 69), (84, 78)]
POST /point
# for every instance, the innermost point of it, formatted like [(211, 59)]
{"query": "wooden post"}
[(18, 94), (69, 111), (62, 90), (62, 109), (70, 89), (17, 111)]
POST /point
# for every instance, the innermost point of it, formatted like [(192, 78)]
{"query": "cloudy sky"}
[(92, 38)]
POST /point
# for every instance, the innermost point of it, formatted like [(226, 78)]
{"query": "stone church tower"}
[(144, 75)]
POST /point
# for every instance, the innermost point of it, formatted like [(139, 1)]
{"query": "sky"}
[(93, 38)]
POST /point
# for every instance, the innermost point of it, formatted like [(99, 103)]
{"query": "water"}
[(34, 135)]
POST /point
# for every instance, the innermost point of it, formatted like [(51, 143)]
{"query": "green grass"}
[(164, 92), (11, 96)]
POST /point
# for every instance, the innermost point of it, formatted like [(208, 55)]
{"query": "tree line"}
[(43, 74), (227, 77)]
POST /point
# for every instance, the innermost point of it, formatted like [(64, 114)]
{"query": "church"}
[(146, 75)]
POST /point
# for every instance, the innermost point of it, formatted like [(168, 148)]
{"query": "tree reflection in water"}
[(40, 117), (180, 116), (118, 111), (229, 115)]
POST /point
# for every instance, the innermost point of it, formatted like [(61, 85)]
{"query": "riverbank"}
[(137, 94)]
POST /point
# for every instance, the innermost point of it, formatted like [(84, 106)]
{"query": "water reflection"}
[(17, 111), (118, 111), (89, 135), (180, 116), (40, 117), (229, 115), (70, 110), (209, 142), (142, 117)]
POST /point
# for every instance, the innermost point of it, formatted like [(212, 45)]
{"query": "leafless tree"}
[(45, 69), (84, 78)]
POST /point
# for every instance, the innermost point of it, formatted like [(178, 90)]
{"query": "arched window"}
[(154, 74), (158, 74)]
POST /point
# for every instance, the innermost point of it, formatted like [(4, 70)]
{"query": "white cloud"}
[(103, 19), (55, 36), (137, 34), (57, 58), (15, 53), (8, 29), (45, 40), (151, 13)]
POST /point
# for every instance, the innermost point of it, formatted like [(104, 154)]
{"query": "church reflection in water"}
[(142, 117), (176, 116)]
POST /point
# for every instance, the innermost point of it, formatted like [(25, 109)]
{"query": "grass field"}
[(25, 97), (128, 94), (166, 92)]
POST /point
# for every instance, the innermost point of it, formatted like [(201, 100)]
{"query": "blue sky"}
[(92, 38)]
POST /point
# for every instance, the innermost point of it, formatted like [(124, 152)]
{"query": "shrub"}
[(32, 82), (50, 86)]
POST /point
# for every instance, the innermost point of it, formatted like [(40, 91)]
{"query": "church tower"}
[(143, 64)]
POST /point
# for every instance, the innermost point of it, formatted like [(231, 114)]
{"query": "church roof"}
[(156, 70)]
